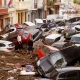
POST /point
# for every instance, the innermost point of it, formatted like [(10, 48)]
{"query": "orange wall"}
[(0, 2)]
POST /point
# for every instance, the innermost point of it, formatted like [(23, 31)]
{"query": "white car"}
[(6, 46), (53, 37), (11, 30), (59, 18)]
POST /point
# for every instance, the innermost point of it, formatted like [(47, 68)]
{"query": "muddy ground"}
[(8, 60)]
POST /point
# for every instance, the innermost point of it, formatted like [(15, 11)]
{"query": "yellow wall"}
[(23, 16), (26, 4)]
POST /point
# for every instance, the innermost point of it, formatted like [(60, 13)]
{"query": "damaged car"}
[(66, 57)]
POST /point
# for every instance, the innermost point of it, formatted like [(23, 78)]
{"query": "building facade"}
[(22, 7), (5, 13)]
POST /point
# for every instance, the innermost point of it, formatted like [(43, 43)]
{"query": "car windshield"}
[(11, 45), (57, 59), (75, 39)]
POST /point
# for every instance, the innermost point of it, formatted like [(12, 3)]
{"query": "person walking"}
[(19, 42), (30, 47)]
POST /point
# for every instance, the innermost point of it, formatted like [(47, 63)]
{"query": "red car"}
[(24, 35), (45, 50)]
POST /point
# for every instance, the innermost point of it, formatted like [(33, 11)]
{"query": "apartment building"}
[(36, 11), (22, 7), (5, 13)]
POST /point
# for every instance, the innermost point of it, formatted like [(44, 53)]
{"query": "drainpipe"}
[(45, 8)]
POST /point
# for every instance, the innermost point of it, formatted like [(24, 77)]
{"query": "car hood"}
[(47, 67)]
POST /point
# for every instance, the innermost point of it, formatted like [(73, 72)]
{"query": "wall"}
[(40, 4)]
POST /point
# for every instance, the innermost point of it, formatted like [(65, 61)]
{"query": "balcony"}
[(11, 9), (22, 5)]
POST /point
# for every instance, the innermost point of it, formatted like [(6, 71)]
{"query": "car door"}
[(70, 75), (14, 40), (78, 75)]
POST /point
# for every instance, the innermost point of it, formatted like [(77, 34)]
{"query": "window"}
[(63, 75), (2, 45), (24, 34), (72, 74), (45, 50), (59, 62), (11, 44), (13, 39), (4, 2), (10, 30), (18, 17), (35, 35)]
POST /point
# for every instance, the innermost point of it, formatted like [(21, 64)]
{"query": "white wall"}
[(40, 3), (66, 1)]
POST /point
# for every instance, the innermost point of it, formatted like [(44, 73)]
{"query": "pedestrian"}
[(19, 42), (30, 46)]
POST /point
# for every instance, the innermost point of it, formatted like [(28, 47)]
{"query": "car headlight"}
[(38, 62)]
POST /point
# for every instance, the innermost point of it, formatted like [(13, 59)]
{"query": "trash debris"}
[(18, 66), (23, 72), (10, 78), (2, 56), (12, 71), (43, 79), (29, 68)]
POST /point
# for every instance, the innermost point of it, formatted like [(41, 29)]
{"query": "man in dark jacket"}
[(30, 46)]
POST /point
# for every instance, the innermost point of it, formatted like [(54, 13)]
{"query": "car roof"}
[(29, 23), (4, 41), (70, 68), (70, 53), (59, 43), (76, 35), (33, 31), (39, 21), (52, 48), (52, 36)]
